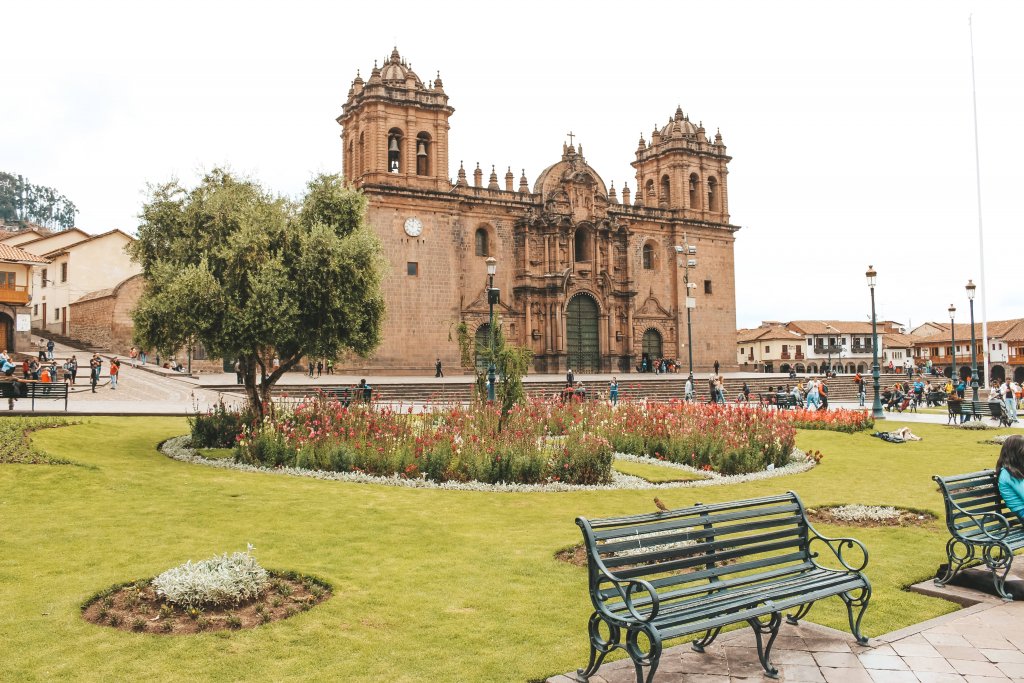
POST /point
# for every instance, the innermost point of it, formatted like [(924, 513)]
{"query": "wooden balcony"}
[(14, 294)]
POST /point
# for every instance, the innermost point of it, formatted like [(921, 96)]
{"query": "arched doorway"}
[(800, 368), (812, 368), (784, 367), (1018, 375), (862, 368), (482, 346), (584, 351), (6, 332), (850, 368), (998, 373), (947, 371), (651, 346)]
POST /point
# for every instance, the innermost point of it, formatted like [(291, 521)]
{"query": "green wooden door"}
[(581, 335), (652, 345)]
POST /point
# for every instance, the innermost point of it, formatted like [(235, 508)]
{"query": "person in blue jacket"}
[(1010, 470)]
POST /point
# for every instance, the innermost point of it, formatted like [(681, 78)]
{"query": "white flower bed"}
[(864, 513), (221, 580), (179, 449)]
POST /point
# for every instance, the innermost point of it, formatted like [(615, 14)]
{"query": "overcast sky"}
[(850, 124)]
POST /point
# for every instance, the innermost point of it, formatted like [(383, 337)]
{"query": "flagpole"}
[(981, 232)]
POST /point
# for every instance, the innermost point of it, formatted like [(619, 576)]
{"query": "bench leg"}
[(705, 640), (999, 558), (599, 645), (859, 603), (956, 561), (764, 651), (795, 617), (642, 659)]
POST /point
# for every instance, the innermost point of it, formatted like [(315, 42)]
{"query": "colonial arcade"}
[(587, 281)]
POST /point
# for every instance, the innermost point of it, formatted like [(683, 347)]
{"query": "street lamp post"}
[(492, 298), (952, 335), (974, 350), (876, 405), (686, 251)]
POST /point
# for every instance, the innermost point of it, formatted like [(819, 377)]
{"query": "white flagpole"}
[(981, 232)]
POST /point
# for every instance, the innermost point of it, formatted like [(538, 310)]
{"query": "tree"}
[(253, 277), (22, 202)]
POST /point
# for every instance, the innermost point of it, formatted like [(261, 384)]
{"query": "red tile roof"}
[(17, 255)]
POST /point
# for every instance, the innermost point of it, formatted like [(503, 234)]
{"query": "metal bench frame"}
[(696, 570), (33, 390), (978, 519), (980, 409)]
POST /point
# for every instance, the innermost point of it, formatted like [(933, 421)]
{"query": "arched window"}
[(361, 158), (666, 192), (648, 256), (650, 192), (694, 196), (712, 194), (581, 244), (394, 150), (482, 242), (423, 154)]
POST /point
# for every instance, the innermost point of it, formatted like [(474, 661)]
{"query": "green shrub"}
[(217, 428)]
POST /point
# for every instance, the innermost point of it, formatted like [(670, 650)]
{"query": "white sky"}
[(850, 123)]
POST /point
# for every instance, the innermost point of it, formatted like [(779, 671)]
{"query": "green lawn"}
[(657, 474), (429, 585)]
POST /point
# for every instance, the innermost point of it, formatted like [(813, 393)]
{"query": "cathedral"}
[(587, 280)]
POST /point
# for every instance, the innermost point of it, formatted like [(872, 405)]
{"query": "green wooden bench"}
[(982, 529), (979, 409), (784, 401), (669, 574), (55, 391)]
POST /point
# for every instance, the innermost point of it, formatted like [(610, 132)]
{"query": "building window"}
[(44, 274), (482, 246), (64, 272), (394, 151), (423, 154), (648, 257), (7, 280), (666, 191), (767, 349), (707, 286), (650, 192), (694, 197), (581, 245), (56, 313), (199, 352), (810, 341), (412, 268), (35, 310), (712, 194)]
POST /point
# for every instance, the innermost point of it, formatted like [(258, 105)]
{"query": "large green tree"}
[(253, 276), (22, 202)]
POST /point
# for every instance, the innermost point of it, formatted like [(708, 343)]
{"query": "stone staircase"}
[(631, 387), (66, 341)]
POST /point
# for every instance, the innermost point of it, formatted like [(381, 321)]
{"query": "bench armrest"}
[(626, 589), (838, 546), (983, 520)]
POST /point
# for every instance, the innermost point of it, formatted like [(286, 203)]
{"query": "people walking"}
[(133, 356), (688, 389), (717, 366), (613, 391), (49, 349), (570, 379), (812, 394), (320, 367), (330, 366), (95, 366), (438, 370), (238, 372), (115, 370)]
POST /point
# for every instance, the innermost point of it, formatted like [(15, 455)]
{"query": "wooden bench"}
[(784, 401), (982, 529), (979, 409), (34, 390), (695, 570), (935, 398)]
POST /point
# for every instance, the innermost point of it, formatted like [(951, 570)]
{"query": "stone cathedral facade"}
[(587, 281)]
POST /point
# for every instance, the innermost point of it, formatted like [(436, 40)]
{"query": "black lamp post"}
[(876, 405), (686, 251), (974, 350), (952, 335), (492, 298)]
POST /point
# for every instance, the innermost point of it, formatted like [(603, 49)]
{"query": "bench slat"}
[(692, 533), (698, 518), (707, 550), (683, 512)]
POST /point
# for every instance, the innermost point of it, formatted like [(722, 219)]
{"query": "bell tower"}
[(681, 169), (395, 129)]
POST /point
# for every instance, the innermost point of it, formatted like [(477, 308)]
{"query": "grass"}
[(216, 453), (429, 585), (656, 474)]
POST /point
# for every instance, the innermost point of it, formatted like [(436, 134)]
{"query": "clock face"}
[(413, 226)]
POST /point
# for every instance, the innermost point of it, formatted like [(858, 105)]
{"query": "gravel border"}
[(179, 448)]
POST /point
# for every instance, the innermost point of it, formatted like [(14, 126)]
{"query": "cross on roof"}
[(570, 134)]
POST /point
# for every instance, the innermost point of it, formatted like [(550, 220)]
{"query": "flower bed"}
[(538, 442), (837, 420)]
